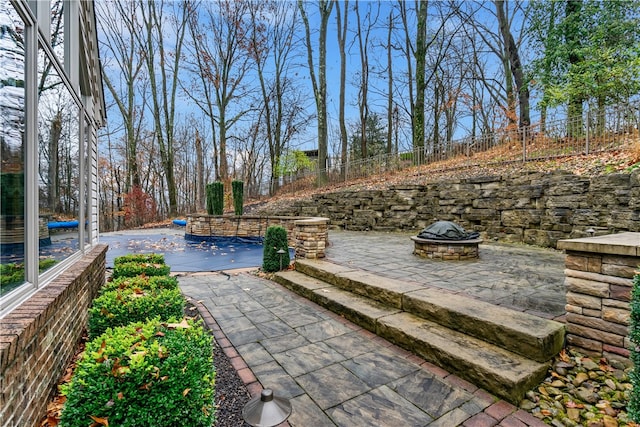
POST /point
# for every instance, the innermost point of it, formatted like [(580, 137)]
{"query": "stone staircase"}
[(504, 351)]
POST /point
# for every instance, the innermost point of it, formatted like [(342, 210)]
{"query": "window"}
[(12, 167)]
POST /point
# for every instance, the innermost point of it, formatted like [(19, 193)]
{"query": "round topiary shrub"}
[(141, 282), (131, 269), (148, 374), (275, 239), (123, 306)]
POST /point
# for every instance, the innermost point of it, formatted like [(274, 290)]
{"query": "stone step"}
[(522, 333), (360, 310), (504, 373)]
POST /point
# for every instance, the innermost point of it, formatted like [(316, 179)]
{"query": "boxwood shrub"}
[(144, 374), (148, 258), (132, 269), (141, 282), (122, 306)]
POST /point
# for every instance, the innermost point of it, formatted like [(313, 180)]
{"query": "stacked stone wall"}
[(38, 339), (599, 275), (531, 207)]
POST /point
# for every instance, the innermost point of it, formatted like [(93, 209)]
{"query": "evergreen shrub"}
[(123, 306), (148, 374), (144, 258), (132, 269), (238, 197), (141, 282), (218, 197), (275, 239)]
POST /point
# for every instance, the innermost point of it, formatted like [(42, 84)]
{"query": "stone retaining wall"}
[(307, 235), (38, 339), (532, 207), (599, 279)]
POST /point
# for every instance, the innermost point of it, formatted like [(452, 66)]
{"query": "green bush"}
[(210, 196), (123, 306), (141, 282), (144, 258), (132, 269), (238, 197), (144, 374), (275, 239), (13, 273), (634, 335), (218, 198)]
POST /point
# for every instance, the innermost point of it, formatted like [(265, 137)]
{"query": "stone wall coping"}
[(244, 216), (312, 221), (450, 242), (627, 243)]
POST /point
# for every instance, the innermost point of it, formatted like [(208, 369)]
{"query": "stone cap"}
[(311, 221), (627, 243)]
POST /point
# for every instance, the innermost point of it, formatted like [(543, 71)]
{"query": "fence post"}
[(586, 142)]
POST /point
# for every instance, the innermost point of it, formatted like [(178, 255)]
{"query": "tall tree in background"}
[(220, 41), (163, 66), (272, 45), (363, 36), (512, 55), (120, 23), (343, 25), (319, 85), (420, 54)]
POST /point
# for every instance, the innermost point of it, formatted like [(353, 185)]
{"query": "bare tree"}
[(163, 66), (343, 25), (319, 84)]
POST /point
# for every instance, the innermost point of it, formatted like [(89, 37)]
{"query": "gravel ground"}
[(231, 394)]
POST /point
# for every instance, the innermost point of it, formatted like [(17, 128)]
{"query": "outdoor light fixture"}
[(266, 410), (590, 231), (280, 253)]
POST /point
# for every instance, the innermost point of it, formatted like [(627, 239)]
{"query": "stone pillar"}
[(599, 278), (311, 237)]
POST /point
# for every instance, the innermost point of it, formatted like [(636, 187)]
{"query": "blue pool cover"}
[(188, 255)]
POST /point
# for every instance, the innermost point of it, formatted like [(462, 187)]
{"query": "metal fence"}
[(608, 130)]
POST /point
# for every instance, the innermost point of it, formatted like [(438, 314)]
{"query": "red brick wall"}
[(38, 338)]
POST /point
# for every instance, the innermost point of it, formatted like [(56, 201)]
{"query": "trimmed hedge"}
[(275, 239), (148, 374), (132, 304), (141, 282), (141, 258), (237, 188), (132, 269)]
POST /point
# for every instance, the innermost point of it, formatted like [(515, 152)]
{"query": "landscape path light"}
[(266, 410), (280, 253)]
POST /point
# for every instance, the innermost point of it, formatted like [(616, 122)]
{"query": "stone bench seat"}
[(446, 249)]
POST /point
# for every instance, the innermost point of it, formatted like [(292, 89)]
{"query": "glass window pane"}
[(57, 28), (12, 116), (59, 165)]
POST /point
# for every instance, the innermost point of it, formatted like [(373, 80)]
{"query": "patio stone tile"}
[(379, 407), (274, 328), (379, 368), (429, 393), (306, 413), (245, 336), (352, 344), (284, 343), (261, 316), (332, 385), (271, 375), (302, 360), (254, 354), (321, 331), (298, 318)]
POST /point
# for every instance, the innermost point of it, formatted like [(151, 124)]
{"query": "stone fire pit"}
[(446, 240)]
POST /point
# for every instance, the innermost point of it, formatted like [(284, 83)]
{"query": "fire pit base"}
[(446, 249)]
